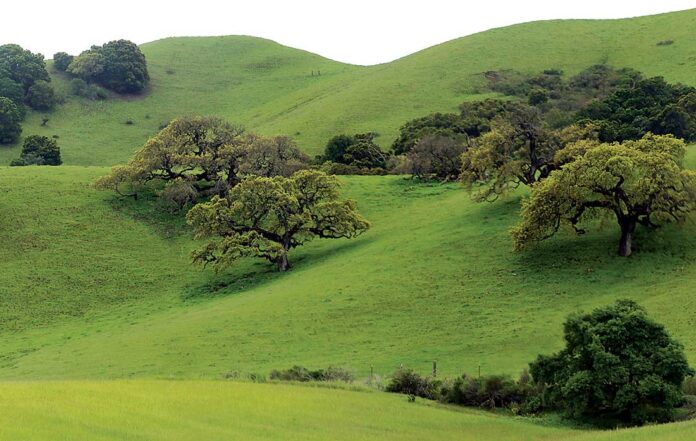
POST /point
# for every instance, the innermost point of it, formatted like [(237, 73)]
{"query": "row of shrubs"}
[(490, 392)]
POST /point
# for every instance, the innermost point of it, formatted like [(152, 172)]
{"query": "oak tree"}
[(267, 217), (637, 182)]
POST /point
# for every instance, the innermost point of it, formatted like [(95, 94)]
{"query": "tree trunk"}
[(628, 226), (283, 263)]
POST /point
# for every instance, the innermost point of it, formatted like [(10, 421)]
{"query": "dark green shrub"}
[(61, 61), (618, 365), (118, 65), (689, 386), (39, 150), (408, 382), (302, 374), (41, 96), (10, 117)]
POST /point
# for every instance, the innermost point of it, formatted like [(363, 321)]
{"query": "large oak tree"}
[(637, 182)]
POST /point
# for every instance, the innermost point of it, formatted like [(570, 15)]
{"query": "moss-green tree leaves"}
[(267, 217), (637, 182)]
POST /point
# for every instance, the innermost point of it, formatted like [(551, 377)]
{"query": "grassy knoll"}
[(270, 88), (158, 410), (435, 279)]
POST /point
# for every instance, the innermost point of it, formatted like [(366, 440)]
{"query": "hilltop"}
[(274, 89)]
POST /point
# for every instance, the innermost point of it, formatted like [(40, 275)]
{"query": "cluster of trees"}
[(354, 154), (619, 153), (24, 81), (256, 196), (118, 65), (618, 366)]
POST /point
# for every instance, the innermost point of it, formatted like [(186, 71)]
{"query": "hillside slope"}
[(102, 288), (278, 90)]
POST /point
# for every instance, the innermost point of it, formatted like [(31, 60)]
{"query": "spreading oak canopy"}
[(637, 182), (267, 217)]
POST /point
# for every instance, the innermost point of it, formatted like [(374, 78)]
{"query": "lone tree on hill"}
[(638, 182), (618, 364), (39, 150), (117, 65), (266, 217)]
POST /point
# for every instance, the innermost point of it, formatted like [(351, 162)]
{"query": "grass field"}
[(107, 331), (159, 410), (270, 88)]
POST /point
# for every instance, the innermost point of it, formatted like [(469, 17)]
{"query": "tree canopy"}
[(22, 66), (436, 157), (617, 364), (117, 65), (61, 61), (201, 156), (10, 118), (648, 105), (357, 151), (267, 217), (638, 182), (39, 150)]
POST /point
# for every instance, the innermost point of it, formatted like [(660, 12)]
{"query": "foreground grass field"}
[(96, 287), (158, 410), (278, 90)]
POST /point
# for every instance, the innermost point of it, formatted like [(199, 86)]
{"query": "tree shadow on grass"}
[(150, 210), (253, 273)]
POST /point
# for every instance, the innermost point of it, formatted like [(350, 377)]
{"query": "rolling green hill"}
[(98, 297), (270, 88)]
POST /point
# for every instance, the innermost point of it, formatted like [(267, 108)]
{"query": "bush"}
[(302, 374), (41, 96), (408, 382), (118, 65), (359, 151), (61, 61), (10, 117), (79, 87), (39, 150), (436, 157)]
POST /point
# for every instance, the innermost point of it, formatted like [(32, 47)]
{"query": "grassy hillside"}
[(435, 279), (270, 88), (156, 410)]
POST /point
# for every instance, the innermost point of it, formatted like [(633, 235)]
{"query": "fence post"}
[(434, 369)]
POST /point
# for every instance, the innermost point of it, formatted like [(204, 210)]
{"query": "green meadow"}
[(109, 332)]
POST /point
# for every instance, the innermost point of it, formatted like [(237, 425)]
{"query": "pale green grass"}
[(270, 88), (197, 410)]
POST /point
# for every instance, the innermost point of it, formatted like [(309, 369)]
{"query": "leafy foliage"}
[(41, 96), (519, 149), (302, 374), (10, 118), (649, 105), (639, 182), (117, 65), (22, 66), (618, 364), (61, 61), (39, 150), (436, 157), (357, 151), (444, 124), (202, 156), (266, 217)]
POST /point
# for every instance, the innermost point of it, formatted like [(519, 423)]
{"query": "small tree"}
[(39, 150), (518, 150), (117, 65), (638, 182), (22, 66), (41, 96), (10, 117), (62, 60), (436, 157), (618, 364), (267, 217)]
